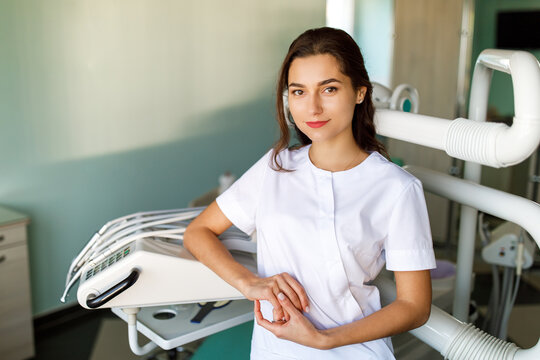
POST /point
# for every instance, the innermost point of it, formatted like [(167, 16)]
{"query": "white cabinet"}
[(16, 330)]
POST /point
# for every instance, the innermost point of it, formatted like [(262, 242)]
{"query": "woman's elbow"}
[(423, 316)]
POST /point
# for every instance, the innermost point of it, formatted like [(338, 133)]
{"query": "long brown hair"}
[(341, 45)]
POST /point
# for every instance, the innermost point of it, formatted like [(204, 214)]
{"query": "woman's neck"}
[(336, 156)]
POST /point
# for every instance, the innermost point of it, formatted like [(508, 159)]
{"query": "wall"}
[(112, 107), (374, 33)]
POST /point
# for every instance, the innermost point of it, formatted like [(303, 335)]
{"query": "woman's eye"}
[(330, 90), (297, 92)]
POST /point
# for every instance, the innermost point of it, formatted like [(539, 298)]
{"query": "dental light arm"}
[(492, 144)]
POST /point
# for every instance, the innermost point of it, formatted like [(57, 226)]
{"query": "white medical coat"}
[(333, 232)]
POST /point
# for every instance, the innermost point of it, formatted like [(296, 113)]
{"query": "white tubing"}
[(509, 207), (465, 262), (111, 249), (83, 252), (462, 134), (474, 141), (98, 237), (132, 334), (473, 343), (456, 340), (141, 223), (522, 66), (439, 331), (419, 129), (519, 141), (491, 144), (507, 146)]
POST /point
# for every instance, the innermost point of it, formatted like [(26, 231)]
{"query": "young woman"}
[(328, 214)]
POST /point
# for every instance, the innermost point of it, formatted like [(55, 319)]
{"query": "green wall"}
[(109, 107)]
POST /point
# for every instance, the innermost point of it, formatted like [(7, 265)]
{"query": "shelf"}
[(178, 330)]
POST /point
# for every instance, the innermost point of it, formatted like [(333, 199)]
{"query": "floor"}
[(100, 335)]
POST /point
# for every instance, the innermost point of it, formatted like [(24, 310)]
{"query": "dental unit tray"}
[(138, 260), (136, 265), (147, 272), (170, 327)]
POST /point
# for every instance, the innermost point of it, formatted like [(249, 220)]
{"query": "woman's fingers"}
[(270, 326), (258, 314), (288, 306), (286, 288), (269, 288), (299, 291), (271, 296), (278, 314)]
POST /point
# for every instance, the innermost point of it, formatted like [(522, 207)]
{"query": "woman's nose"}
[(315, 105)]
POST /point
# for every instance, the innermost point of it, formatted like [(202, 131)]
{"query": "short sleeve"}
[(408, 245), (239, 202)]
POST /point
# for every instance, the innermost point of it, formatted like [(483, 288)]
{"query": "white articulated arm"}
[(456, 340), (506, 206), (492, 144)]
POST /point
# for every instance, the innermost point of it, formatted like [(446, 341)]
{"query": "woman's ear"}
[(360, 94)]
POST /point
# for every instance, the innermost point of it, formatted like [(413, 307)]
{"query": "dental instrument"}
[(507, 246), (115, 234)]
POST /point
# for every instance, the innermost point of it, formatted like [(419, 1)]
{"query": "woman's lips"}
[(316, 124)]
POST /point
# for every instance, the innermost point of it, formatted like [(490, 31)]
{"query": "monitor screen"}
[(518, 30)]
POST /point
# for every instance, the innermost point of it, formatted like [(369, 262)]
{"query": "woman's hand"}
[(296, 328), (268, 289)]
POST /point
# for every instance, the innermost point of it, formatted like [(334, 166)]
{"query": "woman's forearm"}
[(201, 240), (397, 317), (209, 250)]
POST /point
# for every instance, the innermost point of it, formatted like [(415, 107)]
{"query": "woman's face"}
[(322, 98)]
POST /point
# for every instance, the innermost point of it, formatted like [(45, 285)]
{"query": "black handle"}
[(209, 306), (1, 237), (2, 258), (114, 291)]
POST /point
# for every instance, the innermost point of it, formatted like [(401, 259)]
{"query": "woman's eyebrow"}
[(324, 82), (328, 81), (296, 85)]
